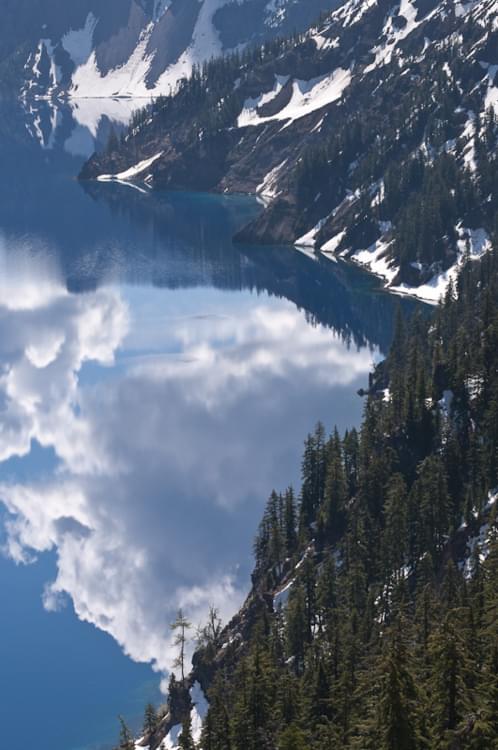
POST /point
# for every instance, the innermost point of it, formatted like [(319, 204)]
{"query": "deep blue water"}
[(62, 678), (156, 382)]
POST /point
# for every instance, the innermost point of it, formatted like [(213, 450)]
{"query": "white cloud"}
[(163, 464)]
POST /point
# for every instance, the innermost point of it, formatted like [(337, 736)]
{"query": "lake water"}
[(156, 382)]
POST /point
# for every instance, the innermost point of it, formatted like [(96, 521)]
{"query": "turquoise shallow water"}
[(156, 382)]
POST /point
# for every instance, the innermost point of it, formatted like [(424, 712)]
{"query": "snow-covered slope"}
[(134, 48)]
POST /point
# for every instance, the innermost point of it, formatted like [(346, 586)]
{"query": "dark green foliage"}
[(426, 192), (292, 738), (126, 741), (208, 99), (389, 637), (150, 720), (185, 739)]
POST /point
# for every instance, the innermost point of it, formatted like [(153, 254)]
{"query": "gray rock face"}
[(87, 48)]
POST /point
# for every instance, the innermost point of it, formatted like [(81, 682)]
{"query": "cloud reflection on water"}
[(196, 408)]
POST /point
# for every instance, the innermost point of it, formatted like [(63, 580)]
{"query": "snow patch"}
[(491, 99), (469, 133), (394, 35), (352, 12), (199, 710), (269, 187), (309, 239), (474, 241), (251, 105), (132, 172), (479, 542), (54, 73), (472, 244), (307, 97), (127, 80), (170, 742), (376, 259), (282, 597), (331, 246)]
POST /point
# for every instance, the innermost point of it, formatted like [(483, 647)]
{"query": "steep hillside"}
[(372, 136), (86, 48), (372, 623)]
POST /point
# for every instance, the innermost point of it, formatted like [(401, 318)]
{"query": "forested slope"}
[(373, 618), (371, 136), (382, 629)]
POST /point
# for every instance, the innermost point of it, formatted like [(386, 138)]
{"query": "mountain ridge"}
[(327, 126), (131, 48)]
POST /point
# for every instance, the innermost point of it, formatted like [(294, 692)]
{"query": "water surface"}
[(156, 382)]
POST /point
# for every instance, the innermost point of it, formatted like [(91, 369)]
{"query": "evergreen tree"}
[(180, 627), (395, 536), (292, 738), (297, 627), (450, 700), (150, 720), (290, 531), (332, 516), (185, 739), (398, 702), (485, 726), (126, 741)]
